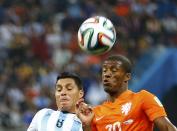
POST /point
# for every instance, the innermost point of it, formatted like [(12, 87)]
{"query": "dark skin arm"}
[(163, 124)]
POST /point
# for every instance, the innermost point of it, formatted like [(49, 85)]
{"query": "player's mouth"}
[(64, 100), (106, 82)]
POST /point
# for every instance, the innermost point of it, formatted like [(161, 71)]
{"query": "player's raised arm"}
[(163, 124), (155, 111)]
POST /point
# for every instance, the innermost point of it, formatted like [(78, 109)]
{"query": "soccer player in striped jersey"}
[(125, 110), (69, 90)]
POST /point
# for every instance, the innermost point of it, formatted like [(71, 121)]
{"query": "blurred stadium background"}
[(38, 39)]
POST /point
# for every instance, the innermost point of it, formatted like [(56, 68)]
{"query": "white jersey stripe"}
[(52, 121), (68, 122), (41, 114), (81, 128), (44, 120)]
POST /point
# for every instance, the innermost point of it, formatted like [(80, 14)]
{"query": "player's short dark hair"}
[(73, 76), (126, 63)]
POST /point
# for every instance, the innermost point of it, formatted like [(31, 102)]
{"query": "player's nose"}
[(107, 74), (63, 92)]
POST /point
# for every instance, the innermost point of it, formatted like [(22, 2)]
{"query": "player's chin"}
[(107, 85), (65, 108), (64, 104), (107, 89)]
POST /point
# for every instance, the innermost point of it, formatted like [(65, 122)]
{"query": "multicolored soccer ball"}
[(96, 35)]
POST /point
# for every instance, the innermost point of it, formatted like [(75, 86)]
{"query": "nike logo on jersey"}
[(126, 108), (99, 118)]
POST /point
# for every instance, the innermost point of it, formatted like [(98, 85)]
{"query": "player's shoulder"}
[(99, 108), (44, 111), (102, 107), (145, 94)]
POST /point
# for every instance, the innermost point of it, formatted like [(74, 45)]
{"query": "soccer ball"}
[(96, 35)]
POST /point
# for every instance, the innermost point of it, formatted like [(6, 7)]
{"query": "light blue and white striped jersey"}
[(50, 120)]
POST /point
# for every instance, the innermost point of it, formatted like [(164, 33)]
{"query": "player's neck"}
[(114, 96)]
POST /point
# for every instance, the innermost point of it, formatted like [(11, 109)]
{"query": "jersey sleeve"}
[(152, 105), (34, 123)]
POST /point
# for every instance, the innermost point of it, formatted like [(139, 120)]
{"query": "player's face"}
[(67, 94), (113, 76)]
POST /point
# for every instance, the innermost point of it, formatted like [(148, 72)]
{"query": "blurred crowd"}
[(38, 40)]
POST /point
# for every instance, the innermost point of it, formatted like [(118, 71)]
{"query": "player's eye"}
[(114, 69), (58, 88), (69, 87)]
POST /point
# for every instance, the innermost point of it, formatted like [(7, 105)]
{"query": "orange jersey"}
[(130, 112)]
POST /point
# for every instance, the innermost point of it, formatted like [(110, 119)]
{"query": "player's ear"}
[(127, 77), (81, 93)]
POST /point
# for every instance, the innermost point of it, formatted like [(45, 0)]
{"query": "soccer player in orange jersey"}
[(124, 110)]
